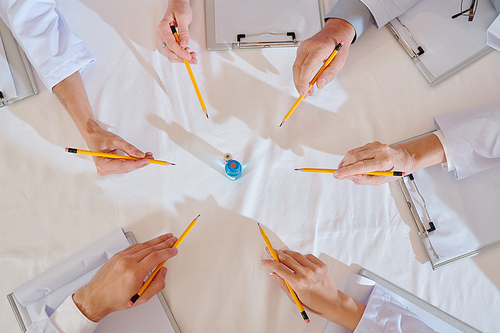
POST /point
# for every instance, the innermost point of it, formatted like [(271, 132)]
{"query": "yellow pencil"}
[(313, 81), (123, 157), (275, 257), (188, 67), (374, 173), (151, 277)]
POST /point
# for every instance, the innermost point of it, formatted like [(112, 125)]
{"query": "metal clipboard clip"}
[(242, 44), (411, 53)]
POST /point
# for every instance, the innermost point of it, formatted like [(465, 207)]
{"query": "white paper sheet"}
[(258, 16), (7, 86), (53, 286), (464, 212), (360, 289), (446, 41)]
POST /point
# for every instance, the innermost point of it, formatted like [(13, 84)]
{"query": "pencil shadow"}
[(258, 105), (191, 143), (225, 248)]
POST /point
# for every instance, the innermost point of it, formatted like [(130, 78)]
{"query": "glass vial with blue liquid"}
[(233, 168)]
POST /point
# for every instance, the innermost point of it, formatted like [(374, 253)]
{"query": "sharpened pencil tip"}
[(207, 116), (281, 124), (173, 163), (296, 169)]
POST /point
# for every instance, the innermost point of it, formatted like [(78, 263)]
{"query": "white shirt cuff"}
[(69, 319), (449, 165)]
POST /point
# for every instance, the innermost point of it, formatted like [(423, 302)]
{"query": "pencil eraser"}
[(342, 43), (308, 321), (131, 303), (66, 149)]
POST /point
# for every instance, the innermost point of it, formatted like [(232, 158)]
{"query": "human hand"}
[(123, 275), (101, 140), (407, 157), (315, 50), (180, 14), (310, 278)]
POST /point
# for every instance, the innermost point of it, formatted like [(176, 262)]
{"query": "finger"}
[(298, 257), (156, 285), (155, 258), (279, 268), (145, 252), (297, 66), (107, 166), (128, 148), (165, 35), (329, 73), (183, 30), (309, 65), (314, 260), (371, 180), (152, 242)]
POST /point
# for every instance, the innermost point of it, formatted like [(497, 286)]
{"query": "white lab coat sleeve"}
[(384, 11), (449, 165), (493, 34), (473, 138), (52, 48), (67, 318), (383, 313)]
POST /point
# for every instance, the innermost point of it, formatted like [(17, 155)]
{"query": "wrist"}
[(341, 29), (88, 305), (345, 311)]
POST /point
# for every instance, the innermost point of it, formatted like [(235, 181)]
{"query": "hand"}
[(407, 157), (315, 50), (101, 140), (178, 12), (310, 278), (122, 276)]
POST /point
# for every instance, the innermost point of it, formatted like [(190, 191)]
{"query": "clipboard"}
[(428, 222), (281, 37), (427, 307), (20, 67), (24, 320), (438, 45)]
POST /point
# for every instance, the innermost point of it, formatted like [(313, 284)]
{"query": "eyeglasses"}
[(468, 11)]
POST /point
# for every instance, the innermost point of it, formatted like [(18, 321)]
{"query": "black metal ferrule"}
[(304, 315), (397, 173), (135, 298), (172, 27), (72, 150)]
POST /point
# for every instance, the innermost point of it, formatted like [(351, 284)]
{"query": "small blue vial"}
[(233, 167)]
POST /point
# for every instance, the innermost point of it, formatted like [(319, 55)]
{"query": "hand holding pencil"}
[(310, 278), (120, 277)]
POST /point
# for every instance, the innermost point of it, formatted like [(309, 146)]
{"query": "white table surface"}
[(53, 204)]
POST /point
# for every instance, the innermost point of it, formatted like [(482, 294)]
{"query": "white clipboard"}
[(20, 67), (264, 37), (24, 320)]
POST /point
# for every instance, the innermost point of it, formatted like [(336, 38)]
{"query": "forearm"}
[(423, 152), (71, 92), (345, 312)]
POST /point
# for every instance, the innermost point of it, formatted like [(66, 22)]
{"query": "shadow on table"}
[(130, 25), (218, 271), (190, 142), (261, 107)]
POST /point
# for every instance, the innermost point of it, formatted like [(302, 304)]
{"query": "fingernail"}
[(273, 275), (183, 42), (139, 153), (322, 83), (262, 261), (164, 272)]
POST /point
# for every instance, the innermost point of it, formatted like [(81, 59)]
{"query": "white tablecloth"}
[(53, 203)]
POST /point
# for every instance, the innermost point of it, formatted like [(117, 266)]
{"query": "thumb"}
[(128, 148), (183, 31)]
